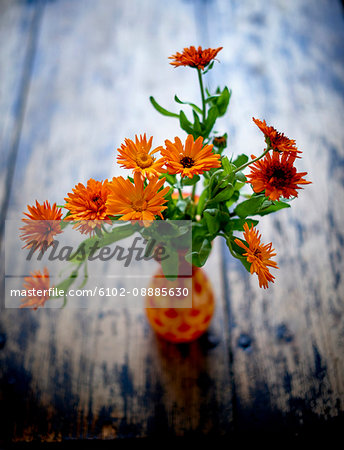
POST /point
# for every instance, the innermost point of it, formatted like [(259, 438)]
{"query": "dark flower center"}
[(279, 176), (139, 205), (279, 173), (144, 160), (96, 200), (257, 253), (187, 162)]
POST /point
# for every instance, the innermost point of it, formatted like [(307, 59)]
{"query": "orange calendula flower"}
[(191, 159), (87, 205), (193, 57), (259, 255), (133, 201), (220, 141), (277, 140), (276, 175), (138, 156), (42, 224), (38, 284)]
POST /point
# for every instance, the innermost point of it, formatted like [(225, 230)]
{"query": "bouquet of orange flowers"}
[(154, 189)]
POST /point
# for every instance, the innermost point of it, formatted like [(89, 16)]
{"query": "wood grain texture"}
[(19, 23), (100, 372), (285, 64), (99, 84), (273, 360)]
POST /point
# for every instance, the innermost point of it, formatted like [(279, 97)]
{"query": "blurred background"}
[(75, 81)]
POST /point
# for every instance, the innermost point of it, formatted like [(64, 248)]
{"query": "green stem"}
[(239, 169), (180, 187), (193, 192), (228, 242), (202, 93)]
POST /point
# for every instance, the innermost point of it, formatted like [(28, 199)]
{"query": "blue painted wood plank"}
[(101, 373), (285, 63), (90, 83), (19, 25)]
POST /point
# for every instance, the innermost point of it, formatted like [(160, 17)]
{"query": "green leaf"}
[(214, 179), (193, 258), (240, 177), (229, 169), (266, 203), (201, 201), (185, 123), (191, 181), (209, 123), (238, 251), (240, 160), (166, 230), (239, 185), (197, 125), (193, 106), (171, 179), (234, 198), (118, 233), (223, 195), (211, 98), (162, 110), (227, 166), (199, 233), (182, 204), (204, 251), (212, 219), (222, 101), (250, 207), (171, 210), (224, 182), (238, 224), (273, 208), (199, 258), (170, 265)]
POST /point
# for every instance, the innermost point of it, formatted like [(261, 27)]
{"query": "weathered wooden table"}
[(75, 81)]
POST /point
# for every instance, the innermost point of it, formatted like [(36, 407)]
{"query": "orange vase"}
[(176, 324)]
